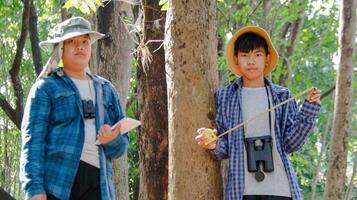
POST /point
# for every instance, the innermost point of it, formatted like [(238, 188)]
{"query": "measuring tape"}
[(208, 135)]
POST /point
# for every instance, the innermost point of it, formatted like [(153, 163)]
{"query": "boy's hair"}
[(249, 42)]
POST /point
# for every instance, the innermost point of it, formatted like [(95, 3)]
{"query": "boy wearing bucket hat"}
[(259, 168), (67, 139)]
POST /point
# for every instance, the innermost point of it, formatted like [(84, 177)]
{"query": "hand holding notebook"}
[(124, 125)]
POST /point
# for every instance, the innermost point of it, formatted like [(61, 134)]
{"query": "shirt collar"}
[(59, 72)]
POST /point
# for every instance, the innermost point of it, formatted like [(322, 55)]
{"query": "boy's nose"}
[(251, 60)]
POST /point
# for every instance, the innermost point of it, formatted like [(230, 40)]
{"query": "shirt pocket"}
[(64, 107), (108, 112)]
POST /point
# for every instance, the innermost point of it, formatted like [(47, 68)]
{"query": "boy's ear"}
[(235, 59), (267, 60)]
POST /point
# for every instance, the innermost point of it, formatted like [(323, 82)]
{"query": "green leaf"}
[(98, 2), (71, 3), (84, 8), (165, 6)]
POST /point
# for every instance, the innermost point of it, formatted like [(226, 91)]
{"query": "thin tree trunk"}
[(190, 53), (322, 152), (285, 78), (5, 195), (64, 14), (114, 64), (343, 103), (35, 47), (152, 99), (266, 20)]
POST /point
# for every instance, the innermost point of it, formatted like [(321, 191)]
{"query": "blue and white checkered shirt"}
[(53, 137), (292, 128)]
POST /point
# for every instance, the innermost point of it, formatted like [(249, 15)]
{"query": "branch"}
[(35, 47), (328, 92), (295, 29), (15, 68), (5, 195), (9, 111)]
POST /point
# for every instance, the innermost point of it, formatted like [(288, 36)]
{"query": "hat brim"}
[(230, 57), (94, 36)]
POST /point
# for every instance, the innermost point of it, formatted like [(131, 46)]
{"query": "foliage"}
[(85, 6), (312, 63), (164, 5)]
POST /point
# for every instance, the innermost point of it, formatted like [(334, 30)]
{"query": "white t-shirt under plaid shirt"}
[(292, 127)]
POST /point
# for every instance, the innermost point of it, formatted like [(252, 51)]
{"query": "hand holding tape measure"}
[(207, 138)]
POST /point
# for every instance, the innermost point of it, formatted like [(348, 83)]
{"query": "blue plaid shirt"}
[(291, 128), (53, 137)]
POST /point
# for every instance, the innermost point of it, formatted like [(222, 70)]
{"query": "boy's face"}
[(76, 52), (252, 64)]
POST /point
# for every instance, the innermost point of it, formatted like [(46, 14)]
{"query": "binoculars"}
[(259, 150), (88, 109)]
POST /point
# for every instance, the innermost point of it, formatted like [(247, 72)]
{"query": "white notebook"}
[(127, 124)]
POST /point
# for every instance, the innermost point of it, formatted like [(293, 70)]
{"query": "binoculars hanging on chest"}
[(259, 150), (88, 109)]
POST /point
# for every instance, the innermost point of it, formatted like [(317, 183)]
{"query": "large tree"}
[(152, 99), (114, 63), (191, 56), (343, 102)]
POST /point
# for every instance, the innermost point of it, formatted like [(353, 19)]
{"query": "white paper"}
[(127, 124)]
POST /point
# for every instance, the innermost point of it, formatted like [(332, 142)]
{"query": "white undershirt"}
[(254, 101), (90, 153)]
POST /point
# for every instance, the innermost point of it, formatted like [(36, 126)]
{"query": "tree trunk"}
[(322, 152), (191, 55), (35, 47), (343, 103), (152, 99), (5, 195), (64, 14), (114, 64), (266, 23), (285, 78)]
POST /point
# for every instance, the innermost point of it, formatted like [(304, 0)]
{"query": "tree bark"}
[(35, 47), (343, 102), (152, 99), (191, 55), (64, 14), (266, 21), (5, 195), (114, 64), (285, 78)]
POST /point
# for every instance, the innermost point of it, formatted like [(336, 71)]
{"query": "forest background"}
[(151, 47)]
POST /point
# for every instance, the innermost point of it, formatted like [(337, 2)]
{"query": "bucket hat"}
[(70, 28), (231, 62), (67, 29)]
